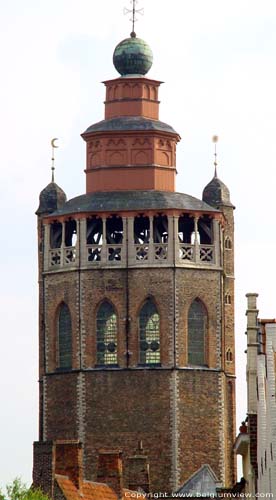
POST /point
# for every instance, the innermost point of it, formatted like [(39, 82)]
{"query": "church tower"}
[(136, 299)]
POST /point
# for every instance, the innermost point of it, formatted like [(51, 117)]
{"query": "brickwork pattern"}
[(61, 412), (124, 408), (177, 415), (43, 466)]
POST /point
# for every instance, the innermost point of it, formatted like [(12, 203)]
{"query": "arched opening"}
[(229, 355), (106, 334), (64, 337), (228, 299), (149, 334), (228, 243), (197, 330), (114, 237), (141, 237)]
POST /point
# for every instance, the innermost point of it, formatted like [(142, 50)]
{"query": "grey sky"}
[(218, 61)]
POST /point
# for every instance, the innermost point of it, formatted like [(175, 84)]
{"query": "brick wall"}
[(43, 466), (163, 408)]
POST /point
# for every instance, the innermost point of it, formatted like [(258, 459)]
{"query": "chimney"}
[(44, 467), (69, 461), (138, 471), (110, 470), (251, 376)]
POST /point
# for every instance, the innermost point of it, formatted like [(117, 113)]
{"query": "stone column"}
[(176, 241), (46, 246), (216, 234), (170, 256), (83, 256), (62, 252), (104, 253), (78, 243), (124, 243), (196, 243), (130, 241), (151, 247)]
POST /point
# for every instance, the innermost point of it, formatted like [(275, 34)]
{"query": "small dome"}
[(51, 198), (216, 193), (132, 56)]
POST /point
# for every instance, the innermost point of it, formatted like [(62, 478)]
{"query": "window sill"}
[(149, 365), (107, 366)]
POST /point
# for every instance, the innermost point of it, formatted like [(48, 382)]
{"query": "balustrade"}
[(109, 248)]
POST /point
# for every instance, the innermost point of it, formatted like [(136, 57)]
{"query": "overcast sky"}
[(218, 61)]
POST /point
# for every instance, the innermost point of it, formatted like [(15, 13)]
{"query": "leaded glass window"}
[(197, 323), (64, 337), (149, 328), (106, 335)]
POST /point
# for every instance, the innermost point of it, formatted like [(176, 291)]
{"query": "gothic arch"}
[(115, 158), (64, 337), (147, 92), (197, 333), (149, 333), (141, 158), (106, 333), (228, 243)]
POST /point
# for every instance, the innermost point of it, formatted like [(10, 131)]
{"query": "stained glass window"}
[(64, 337), (197, 322), (106, 335), (149, 328)]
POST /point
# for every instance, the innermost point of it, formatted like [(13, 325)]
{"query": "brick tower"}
[(136, 301)]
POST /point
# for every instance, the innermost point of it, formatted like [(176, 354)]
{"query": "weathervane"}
[(215, 140), (133, 11), (54, 146)]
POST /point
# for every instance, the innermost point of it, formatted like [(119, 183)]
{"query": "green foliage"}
[(19, 491)]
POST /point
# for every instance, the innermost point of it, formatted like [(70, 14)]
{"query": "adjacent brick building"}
[(256, 441), (136, 301)]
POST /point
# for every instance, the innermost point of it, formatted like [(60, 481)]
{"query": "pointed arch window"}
[(64, 338), (228, 243), (229, 355), (106, 334), (197, 327), (149, 333)]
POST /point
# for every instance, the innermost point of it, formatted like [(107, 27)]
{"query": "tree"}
[(17, 490)]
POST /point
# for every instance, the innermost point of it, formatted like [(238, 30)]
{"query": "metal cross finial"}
[(215, 140), (54, 146), (133, 11)]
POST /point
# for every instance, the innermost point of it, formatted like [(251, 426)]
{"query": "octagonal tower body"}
[(136, 303)]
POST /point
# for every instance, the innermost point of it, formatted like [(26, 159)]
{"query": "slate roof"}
[(51, 198), (118, 201), (202, 483), (216, 193), (130, 123)]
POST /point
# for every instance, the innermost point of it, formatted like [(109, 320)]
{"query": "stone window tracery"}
[(149, 334), (106, 334), (64, 338), (197, 329)]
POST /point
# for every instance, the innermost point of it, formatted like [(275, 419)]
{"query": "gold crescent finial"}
[(54, 146), (53, 142)]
